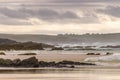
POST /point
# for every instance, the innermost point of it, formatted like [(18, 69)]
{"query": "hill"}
[(7, 44), (85, 39), (7, 41)]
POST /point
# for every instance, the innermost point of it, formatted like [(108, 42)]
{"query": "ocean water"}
[(117, 50), (63, 74)]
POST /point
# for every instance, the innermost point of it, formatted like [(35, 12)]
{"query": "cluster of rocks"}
[(108, 53), (93, 54), (30, 62), (57, 48), (28, 54), (33, 62)]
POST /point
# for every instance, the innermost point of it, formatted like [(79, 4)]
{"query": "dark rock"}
[(109, 53), (5, 62), (97, 54), (16, 62), (73, 63), (90, 53), (43, 64), (47, 64), (30, 62), (2, 53), (72, 66), (93, 53), (57, 48), (28, 54), (66, 62)]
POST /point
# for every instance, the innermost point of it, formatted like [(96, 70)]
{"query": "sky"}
[(59, 16)]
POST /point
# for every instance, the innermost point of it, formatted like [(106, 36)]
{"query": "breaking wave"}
[(110, 60), (114, 57)]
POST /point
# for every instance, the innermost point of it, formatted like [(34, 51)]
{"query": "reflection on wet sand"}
[(63, 74)]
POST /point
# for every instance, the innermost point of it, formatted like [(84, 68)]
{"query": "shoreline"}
[(51, 57), (33, 70)]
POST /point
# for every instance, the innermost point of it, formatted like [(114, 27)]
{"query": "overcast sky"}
[(59, 16)]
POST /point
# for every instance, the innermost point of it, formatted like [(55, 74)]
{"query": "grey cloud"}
[(4, 20), (84, 1), (111, 10), (23, 13), (13, 13), (45, 14), (57, 1)]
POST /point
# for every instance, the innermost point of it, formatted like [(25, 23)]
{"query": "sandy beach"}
[(64, 74), (51, 57)]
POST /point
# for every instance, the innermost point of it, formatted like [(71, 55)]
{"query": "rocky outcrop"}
[(28, 54), (2, 53), (57, 48), (16, 62), (5, 62), (30, 62), (93, 54)]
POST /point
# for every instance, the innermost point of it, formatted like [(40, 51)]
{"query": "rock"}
[(2, 53), (43, 64), (97, 54), (73, 63), (66, 62), (30, 62), (5, 62), (93, 53), (109, 53), (28, 54), (57, 48), (47, 64), (72, 66), (16, 62), (90, 53)]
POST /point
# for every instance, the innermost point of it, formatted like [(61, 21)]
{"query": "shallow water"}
[(62, 52), (63, 74)]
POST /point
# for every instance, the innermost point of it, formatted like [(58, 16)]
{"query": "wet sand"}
[(66, 74), (51, 57)]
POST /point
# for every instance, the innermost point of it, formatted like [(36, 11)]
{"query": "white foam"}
[(107, 64), (110, 58)]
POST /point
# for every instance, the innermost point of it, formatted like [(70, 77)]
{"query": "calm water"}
[(62, 74)]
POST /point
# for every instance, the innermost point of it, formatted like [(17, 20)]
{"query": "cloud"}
[(45, 14), (13, 13), (62, 1), (111, 10), (4, 20), (85, 1), (48, 15)]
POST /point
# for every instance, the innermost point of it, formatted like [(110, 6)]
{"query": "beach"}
[(83, 73), (51, 57)]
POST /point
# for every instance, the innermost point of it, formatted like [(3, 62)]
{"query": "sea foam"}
[(107, 58)]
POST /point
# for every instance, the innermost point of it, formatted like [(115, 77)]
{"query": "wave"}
[(110, 58)]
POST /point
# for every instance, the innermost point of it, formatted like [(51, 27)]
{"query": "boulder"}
[(30, 62), (2, 53), (6, 62), (16, 62)]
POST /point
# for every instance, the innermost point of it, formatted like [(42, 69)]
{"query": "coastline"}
[(11, 70), (51, 57)]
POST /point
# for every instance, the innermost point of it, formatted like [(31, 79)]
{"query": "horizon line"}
[(55, 34)]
